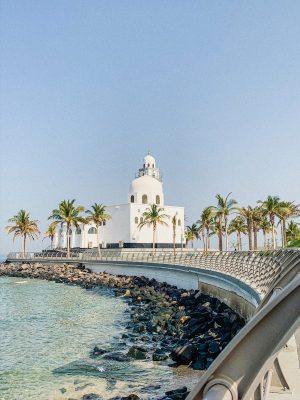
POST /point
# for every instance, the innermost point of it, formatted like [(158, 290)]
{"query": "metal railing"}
[(258, 269)]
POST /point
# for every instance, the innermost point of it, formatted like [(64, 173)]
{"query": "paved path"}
[(289, 360)]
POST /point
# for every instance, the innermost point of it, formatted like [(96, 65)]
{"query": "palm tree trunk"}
[(226, 235), (273, 237), (174, 240), (52, 243), (208, 239), (24, 246), (220, 235), (204, 241), (98, 248), (249, 228), (238, 240), (255, 236), (153, 243), (265, 241), (68, 243), (283, 233)]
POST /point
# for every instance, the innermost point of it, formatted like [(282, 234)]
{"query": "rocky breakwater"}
[(171, 326)]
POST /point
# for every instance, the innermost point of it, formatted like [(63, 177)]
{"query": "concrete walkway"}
[(289, 359)]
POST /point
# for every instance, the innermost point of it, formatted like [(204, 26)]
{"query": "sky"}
[(87, 88)]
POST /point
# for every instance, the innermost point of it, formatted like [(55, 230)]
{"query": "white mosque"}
[(122, 230)]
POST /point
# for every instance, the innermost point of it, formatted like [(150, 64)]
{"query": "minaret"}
[(149, 168)]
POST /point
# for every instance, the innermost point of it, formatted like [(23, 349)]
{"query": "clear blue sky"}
[(211, 88)]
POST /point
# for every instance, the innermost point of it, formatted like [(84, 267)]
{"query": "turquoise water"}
[(46, 333)]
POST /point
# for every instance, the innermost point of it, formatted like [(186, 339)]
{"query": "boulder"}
[(184, 354), (159, 355), (138, 353)]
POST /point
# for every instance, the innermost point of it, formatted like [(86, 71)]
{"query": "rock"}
[(91, 396), (159, 355), (184, 319), (138, 353), (184, 354), (116, 356), (97, 351), (131, 397)]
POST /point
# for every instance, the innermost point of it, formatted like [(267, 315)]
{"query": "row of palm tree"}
[(67, 214), (214, 220), (265, 217)]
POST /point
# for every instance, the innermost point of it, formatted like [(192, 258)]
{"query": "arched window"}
[(70, 232), (100, 223), (132, 198), (152, 165), (136, 220), (78, 231), (92, 231), (179, 222), (104, 223), (148, 165), (141, 219), (144, 199), (157, 199)]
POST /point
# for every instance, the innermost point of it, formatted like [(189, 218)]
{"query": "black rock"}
[(91, 396), (138, 353), (97, 351), (184, 354), (116, 356), (159, 355)]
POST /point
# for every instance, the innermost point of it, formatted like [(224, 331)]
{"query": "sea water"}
[(47, 331)]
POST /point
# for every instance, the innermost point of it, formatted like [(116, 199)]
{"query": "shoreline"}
[(171, 326)]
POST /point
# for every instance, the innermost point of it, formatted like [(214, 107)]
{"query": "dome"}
[(149, 161), (145, 184), (146, 189)]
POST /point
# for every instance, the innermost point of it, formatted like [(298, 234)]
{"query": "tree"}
[(221, 212), (265, 226), (174, 223), (272, 207), (193, 233), (288, 210), (257, 216), (205, 225), (153, 216), (97, 216), (24, 227), (68, 214), (247, 213), (50, 233), (293, 231), (238, 226)]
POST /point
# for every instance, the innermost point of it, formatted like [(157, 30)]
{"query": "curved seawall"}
[(236, 294)]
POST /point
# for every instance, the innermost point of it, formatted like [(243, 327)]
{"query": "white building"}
[(122, 230)]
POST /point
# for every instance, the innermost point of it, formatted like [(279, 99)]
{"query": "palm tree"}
[(193, 233), (272, 207), (238, 226), (205, 224), (189, 236), (265, 226), (293, 231), (153, 216), (97, 216), (24, 227), (288, 210), (221, 212), (68, 214), (50, 233), (257, 216), (174, 223), (247, 213)]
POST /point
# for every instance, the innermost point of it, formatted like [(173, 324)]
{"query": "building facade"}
[(123, 228)]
